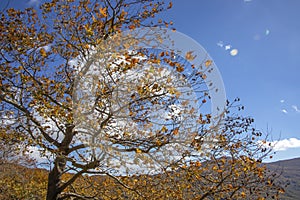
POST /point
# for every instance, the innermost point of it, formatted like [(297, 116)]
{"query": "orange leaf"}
[(198, 164), (176, 131), (131, 27), (180, 69), (103, 12), (43, 52), (189, 56)]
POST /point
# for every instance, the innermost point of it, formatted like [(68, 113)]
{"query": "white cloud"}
[(34, 2), (285, 144), (35, 153), (227, 47), (282, 101), (220, 44), (296, 108), (46, 47), (233, 51), (284, 111)]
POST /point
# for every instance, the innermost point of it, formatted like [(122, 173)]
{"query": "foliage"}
[(45, 57), (18, 182), (228, 169)]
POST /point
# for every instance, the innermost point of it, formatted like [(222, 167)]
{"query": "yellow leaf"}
[(158, 142), (208, 63), (43, 52), (138, 151), (88, 30), (103, 12), (69, 46), (164, 129), (243, 194), (94, 19), (172, 90)]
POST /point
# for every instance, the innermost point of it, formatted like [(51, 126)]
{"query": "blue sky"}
[(265, 72)]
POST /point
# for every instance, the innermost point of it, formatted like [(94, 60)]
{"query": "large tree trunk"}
[(54, 178)]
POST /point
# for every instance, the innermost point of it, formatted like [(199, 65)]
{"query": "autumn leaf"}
[(243, 195), (162, 54), (132, 26), (138, 151), (94, 19), (176, 131), (103, 11), (164, 129), (189, 56), (130, 111), (88, 30), (208, 63), (180, 69), (281, 190), (198, 164), (43, 52)]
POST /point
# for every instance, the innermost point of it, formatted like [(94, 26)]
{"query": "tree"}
[(77, 86), (17, 181), (228, 169)]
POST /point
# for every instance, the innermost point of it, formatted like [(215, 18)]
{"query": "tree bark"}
[(54, 178)]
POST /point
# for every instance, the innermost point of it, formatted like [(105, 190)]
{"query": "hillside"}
[(16, 179), (291, 173)]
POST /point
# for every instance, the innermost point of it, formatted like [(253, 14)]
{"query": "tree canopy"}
[(115, 119)]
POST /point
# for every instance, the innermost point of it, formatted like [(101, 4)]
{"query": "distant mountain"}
[(290, 173)]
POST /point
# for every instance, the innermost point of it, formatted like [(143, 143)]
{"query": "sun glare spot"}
[(234, 52)]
